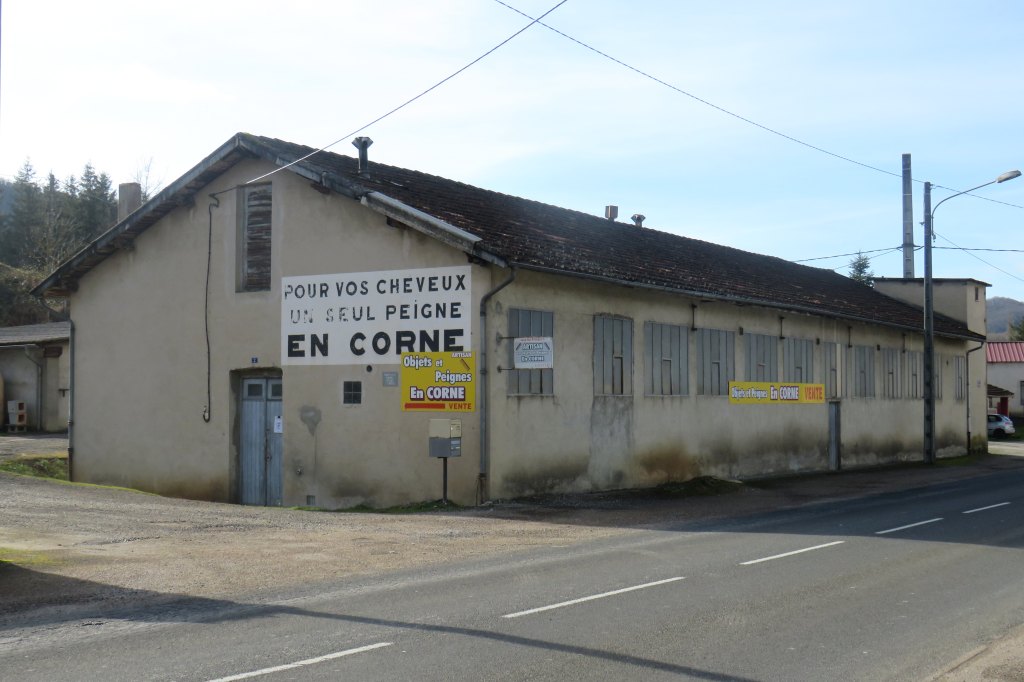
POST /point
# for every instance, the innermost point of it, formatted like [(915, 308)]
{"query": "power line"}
[(855, 253), (968, 252), (413, 99), (731, 113), (964, 248)]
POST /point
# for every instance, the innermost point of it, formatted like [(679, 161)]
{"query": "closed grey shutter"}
[(256, 235)]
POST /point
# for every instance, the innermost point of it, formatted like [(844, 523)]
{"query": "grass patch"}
[(40, 466), (24, 557)]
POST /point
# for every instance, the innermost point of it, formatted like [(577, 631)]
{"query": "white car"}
[(1000, 425)]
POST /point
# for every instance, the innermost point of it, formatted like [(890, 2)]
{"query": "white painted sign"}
[(361, 318), (533, 352), (278, 425)]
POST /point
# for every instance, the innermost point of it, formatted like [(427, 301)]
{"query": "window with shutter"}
[(255, 238)]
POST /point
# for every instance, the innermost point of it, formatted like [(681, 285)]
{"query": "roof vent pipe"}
[(638, 219), (611, 212), (362, 144)]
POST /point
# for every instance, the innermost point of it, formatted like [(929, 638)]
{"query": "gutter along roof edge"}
[(725, 298)]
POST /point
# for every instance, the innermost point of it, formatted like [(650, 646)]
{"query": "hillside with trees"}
[(42, 223), (1005, 319)]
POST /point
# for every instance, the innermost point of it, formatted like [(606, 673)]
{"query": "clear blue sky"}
[(123, 84)]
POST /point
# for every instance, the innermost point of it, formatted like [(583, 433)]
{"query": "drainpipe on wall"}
[(71, 400), (968, 394), (485, 464)]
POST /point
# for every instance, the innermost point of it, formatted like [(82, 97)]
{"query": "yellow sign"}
[(771, 393), (439, 382)]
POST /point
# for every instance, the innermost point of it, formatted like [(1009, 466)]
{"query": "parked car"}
[(1000, 425)]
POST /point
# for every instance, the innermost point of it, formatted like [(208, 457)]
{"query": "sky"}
[(131, 86)]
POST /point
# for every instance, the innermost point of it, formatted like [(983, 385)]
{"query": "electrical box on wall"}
[(445, 438)]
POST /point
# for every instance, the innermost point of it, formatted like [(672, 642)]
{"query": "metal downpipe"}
[(482, 491)]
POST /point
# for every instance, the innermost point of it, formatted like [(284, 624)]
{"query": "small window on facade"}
[(666, 359), (254, 390), (254, 237), (529, 381), (798, 361), (891, 372), (716, 353), (960, 371), (276, 390), (352, 393), (613, 356), (762, 357), (863, 359)]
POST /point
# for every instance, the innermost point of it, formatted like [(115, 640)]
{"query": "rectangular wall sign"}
[(364, 318), (439, 382), (773, 393), (533, 352)]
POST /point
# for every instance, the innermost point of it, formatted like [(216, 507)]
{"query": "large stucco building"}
[(239, 338)]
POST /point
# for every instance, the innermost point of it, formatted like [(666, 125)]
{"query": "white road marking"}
[(912, 525), (591, 598), (991, 506), (797, 551), (300, 664)]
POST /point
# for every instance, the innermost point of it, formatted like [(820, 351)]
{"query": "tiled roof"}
[(533, 235), (536, 235), (35, 333), (1004, 351)]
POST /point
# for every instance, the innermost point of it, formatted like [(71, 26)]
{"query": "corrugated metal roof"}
[(538, 236), (1005, 351), (35, 333)]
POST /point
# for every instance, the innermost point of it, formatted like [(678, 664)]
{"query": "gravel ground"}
[(76, 550)]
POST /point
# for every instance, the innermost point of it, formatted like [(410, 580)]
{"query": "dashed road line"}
[(786, 554), (991, 506), (572, 602), (909, 525), (301, 664)]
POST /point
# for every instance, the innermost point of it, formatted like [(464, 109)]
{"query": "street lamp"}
[(929, 312)]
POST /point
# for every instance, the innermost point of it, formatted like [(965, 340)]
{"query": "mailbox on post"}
[(445, 441), (445, 437)]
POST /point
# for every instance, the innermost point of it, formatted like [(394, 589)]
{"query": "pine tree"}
[(96, 205), (860, 270), (27, 212)]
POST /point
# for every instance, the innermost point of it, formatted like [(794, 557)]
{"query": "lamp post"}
[(929, 311)]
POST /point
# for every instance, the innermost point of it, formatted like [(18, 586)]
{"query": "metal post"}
[(444, 493), (929, 333)]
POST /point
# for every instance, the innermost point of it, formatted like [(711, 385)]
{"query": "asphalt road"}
[(891, 587)]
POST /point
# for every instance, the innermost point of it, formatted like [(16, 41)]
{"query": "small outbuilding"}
[(1006, 368), (35, 375)]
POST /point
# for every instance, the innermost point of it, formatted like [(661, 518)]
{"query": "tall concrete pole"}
[(908, 219)]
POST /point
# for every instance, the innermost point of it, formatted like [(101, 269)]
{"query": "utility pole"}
[(929, 333)]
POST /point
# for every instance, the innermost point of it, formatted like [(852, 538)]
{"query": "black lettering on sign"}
[(317, 343), (356, 344), (294, 348)]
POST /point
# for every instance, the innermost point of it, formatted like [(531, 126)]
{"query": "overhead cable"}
[(734, 114), (413, 99)]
